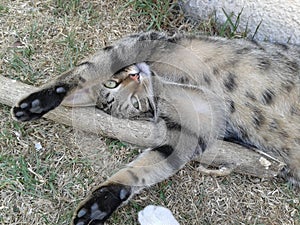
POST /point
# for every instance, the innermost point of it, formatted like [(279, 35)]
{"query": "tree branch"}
[(143, 133)]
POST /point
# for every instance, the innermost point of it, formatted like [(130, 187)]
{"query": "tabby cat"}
[(204, 88)]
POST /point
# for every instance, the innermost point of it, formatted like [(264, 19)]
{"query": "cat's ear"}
[(80, 98)]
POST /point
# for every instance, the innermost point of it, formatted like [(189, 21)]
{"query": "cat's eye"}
[(134, 102), (110, 84)]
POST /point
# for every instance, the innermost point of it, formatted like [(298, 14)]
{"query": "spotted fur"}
[(204, 88)]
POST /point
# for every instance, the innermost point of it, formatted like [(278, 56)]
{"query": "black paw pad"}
[(101, 204), (39, 103)]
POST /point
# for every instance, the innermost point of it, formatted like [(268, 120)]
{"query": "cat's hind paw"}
[(100, 205)]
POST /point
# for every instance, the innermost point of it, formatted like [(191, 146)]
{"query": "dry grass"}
[(40, 39)]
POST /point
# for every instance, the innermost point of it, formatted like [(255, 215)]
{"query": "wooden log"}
[(88, 118), (142, 133)]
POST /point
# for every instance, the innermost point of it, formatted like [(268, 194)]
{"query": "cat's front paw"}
[(39, 103), (101, 204)]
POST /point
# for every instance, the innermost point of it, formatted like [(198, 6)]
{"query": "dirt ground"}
[(47, 168)]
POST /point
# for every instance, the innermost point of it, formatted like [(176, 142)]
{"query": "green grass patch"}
[(10, 129), (83, 10), (160, 12), (20, 64), (231, 27), (17, 175), (36, 31), (130, 218), (73, 50), (112, 144), (66, 7), (3, 9)]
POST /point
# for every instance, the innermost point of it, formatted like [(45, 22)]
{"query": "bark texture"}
[(231, 156)]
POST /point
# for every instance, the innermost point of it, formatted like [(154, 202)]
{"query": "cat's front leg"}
[(39, 103), (71, 86), (153, 166)]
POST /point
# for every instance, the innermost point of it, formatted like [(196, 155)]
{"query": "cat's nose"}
[(135, 77)]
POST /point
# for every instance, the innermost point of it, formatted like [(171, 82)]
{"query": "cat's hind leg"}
[(151, 167)]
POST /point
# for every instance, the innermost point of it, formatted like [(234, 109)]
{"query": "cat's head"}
[(126, 94)]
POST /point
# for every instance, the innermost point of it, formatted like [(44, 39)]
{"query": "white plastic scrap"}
[(264, 162), (156, 215), (38, 146)]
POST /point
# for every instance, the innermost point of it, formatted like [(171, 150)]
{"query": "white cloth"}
[(156, 215)]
